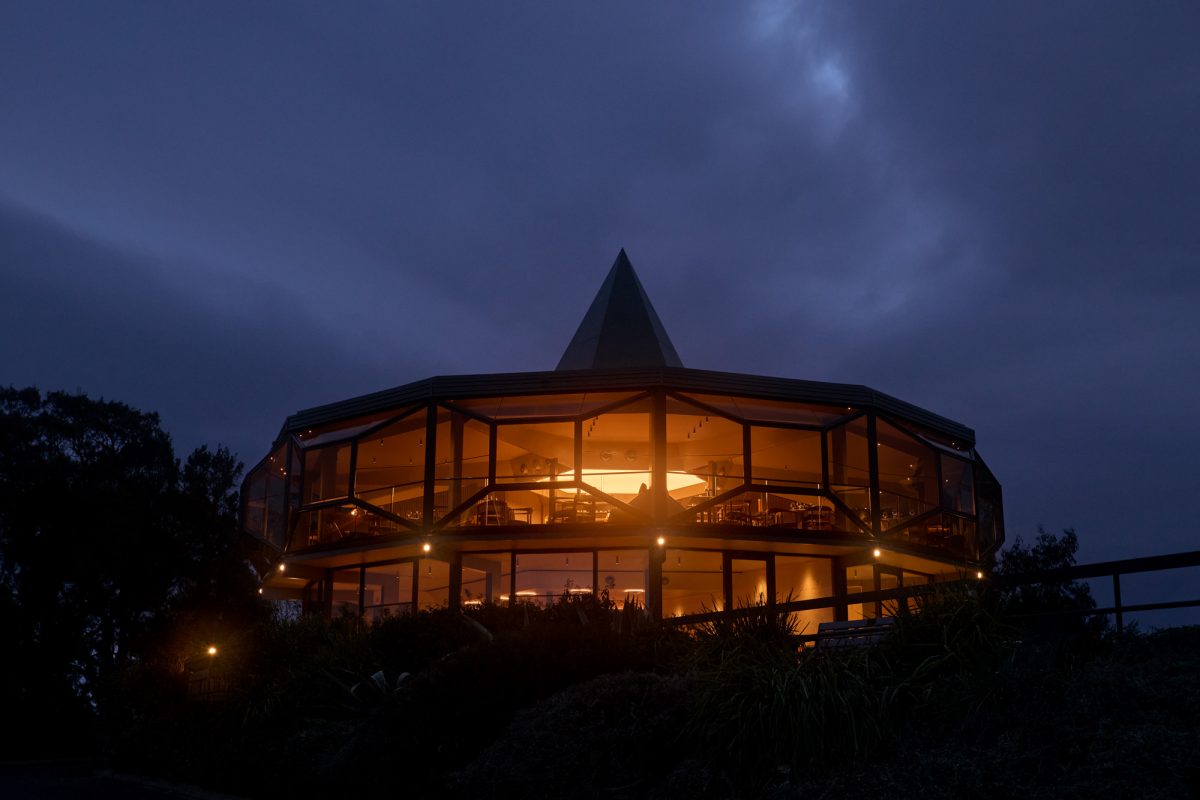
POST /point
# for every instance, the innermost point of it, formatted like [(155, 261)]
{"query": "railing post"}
[(1117, 602)]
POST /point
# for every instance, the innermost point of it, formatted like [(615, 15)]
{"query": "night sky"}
[(226, 212)]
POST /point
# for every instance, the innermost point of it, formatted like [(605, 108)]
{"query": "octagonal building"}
[(620, 472)]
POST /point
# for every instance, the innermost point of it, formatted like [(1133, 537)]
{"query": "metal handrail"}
[(1100, 569)]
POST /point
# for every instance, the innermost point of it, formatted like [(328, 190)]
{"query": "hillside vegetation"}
[(584, 700)]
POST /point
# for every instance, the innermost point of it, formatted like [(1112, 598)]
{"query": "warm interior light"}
[(661, 541), (979, 575), (283, 567), (427, 547), (212, 649), (626, 485), (878, 552), (635, 591), (260, 590)]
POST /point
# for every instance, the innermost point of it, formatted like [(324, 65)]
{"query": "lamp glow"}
[(427, 547), (283, 567), (878, 552), (979, 575), (661, 540), (212, 649)]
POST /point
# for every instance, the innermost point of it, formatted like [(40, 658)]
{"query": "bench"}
[(857, 633)]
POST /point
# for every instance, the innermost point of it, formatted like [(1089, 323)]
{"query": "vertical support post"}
[(771, 582), (596, 574), (457, 423), (1117, 602), (837, 566), (654, 587), (350, 488), (658, 503), (362, 588), (877, 587), (512, 574), (727, 580), (327, 594), (658, 439), (456, 581), (873, 462), (430, 460), (416, 576)]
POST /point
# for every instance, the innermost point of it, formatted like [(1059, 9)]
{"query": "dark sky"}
[(226, 212)]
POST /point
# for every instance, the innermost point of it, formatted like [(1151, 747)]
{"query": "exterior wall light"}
[(979, 575), (283, 567)]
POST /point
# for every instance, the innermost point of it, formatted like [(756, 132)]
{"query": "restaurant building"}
[(620, 472)]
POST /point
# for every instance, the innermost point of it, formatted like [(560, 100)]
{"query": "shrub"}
[(612, 734)]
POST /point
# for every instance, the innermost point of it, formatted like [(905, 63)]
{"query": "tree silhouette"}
[(105, 543)]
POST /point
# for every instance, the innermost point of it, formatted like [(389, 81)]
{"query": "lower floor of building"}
[(668, 576)]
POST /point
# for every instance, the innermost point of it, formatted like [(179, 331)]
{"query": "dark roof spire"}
[(620, 328)]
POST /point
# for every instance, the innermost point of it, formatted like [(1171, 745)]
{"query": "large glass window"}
[(704, 455), (345, 592), (907, 476), (804, 578), (388, 590), (849, 468), (486, 579), (544, 578), (990, 515), (785, 457), (958, 485), (460, 462), (343, 429), (624, 575), (860, 579), (953, 534), (327, 473), (390, 469), (523, 507), (693, 583), (535, 453), (617, 454), (254, 502), (339, 523), (748, 579), (277, 500), (433, 584)]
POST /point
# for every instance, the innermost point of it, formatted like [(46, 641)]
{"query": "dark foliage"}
[(1046, 553), (111, 555), (618, 734)]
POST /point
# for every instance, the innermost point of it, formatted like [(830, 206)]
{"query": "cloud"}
[(986, 210)]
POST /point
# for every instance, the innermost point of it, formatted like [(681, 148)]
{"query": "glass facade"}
[(545, 496)]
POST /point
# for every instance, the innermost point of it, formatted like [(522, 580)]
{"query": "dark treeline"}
[(112, 552)]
